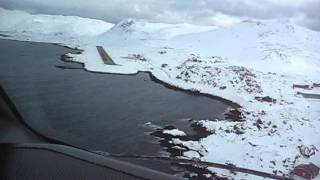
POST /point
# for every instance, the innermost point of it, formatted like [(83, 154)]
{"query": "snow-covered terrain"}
[(256, 64), (50, 28)]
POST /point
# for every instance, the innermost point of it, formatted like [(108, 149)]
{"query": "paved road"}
[(105, 56)]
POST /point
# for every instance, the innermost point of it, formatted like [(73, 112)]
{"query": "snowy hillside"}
[(270, 68), (141, 30), (49, 27), (276, 42)]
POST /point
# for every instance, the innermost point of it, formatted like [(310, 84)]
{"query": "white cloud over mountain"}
[(205, 12)]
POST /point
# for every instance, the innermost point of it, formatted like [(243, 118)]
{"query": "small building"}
[(307, 171), (307, 87)]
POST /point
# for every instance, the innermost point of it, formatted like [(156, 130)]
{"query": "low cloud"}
[(206, 12)]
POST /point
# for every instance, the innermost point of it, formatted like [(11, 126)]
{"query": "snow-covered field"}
[(253, 63)]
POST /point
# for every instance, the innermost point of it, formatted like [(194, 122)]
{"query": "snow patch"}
[(174, 132)]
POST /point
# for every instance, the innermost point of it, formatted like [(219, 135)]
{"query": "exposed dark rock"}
[(162, 52), (266, 99), (316, 85), (307, 151), (258, 123), (235, 115), (164, 65), (200, 173)]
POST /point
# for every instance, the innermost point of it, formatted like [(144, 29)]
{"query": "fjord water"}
[(104, 112)]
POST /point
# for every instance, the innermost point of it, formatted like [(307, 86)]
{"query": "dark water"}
[(89, 110)]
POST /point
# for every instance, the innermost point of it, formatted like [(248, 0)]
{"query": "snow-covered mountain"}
[(49, 27), (137, 29), (288, 48), (253, 63)]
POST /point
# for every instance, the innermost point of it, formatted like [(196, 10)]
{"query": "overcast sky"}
[(209, 12)]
